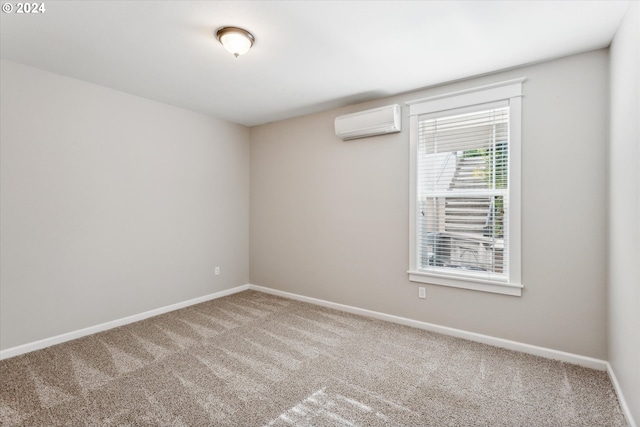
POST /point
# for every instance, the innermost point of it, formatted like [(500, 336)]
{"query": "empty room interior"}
[(318, 213)]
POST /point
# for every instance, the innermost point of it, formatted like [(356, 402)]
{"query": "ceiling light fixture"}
[(236, 40)]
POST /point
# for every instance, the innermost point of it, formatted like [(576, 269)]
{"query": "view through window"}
[(463, 191)]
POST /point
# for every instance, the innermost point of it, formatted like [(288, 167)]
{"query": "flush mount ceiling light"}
[(236, 40)]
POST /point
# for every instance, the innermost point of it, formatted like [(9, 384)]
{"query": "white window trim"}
[(510, 91)]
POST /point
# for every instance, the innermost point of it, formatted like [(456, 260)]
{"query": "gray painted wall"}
[(329, 219), (624, 214), (112, 205)]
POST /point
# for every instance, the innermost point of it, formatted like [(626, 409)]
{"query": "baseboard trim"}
[(59, 339), (623, 403), (548, 353), (459, 333)]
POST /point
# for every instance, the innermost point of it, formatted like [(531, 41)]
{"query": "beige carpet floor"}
[(253, 359)]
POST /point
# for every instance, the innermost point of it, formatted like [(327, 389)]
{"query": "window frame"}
[(471, 99)]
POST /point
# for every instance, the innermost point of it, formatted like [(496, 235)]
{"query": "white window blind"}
[(465, 225), (463, 165)]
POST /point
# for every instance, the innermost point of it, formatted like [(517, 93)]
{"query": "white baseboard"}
[(548, 353), (58, 339), (621, 399)]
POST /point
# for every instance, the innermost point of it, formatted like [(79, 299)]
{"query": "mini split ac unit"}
[(377, 121)]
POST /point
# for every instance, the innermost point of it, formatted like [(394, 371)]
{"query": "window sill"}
[(493, 286)]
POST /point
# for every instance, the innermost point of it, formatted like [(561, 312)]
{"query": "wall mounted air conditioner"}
[(377, 121)]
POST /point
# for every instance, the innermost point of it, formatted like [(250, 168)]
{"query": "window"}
[(465, 189)]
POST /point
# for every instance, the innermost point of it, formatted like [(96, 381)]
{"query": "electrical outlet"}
[(217, 271), (422, 292)]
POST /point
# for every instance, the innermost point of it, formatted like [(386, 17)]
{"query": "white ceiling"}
[(308, 55)]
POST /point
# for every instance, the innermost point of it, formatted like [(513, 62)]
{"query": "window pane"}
[(462, 233), (462, 182)]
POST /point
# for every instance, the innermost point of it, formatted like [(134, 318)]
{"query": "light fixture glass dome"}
[(236, 40)]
